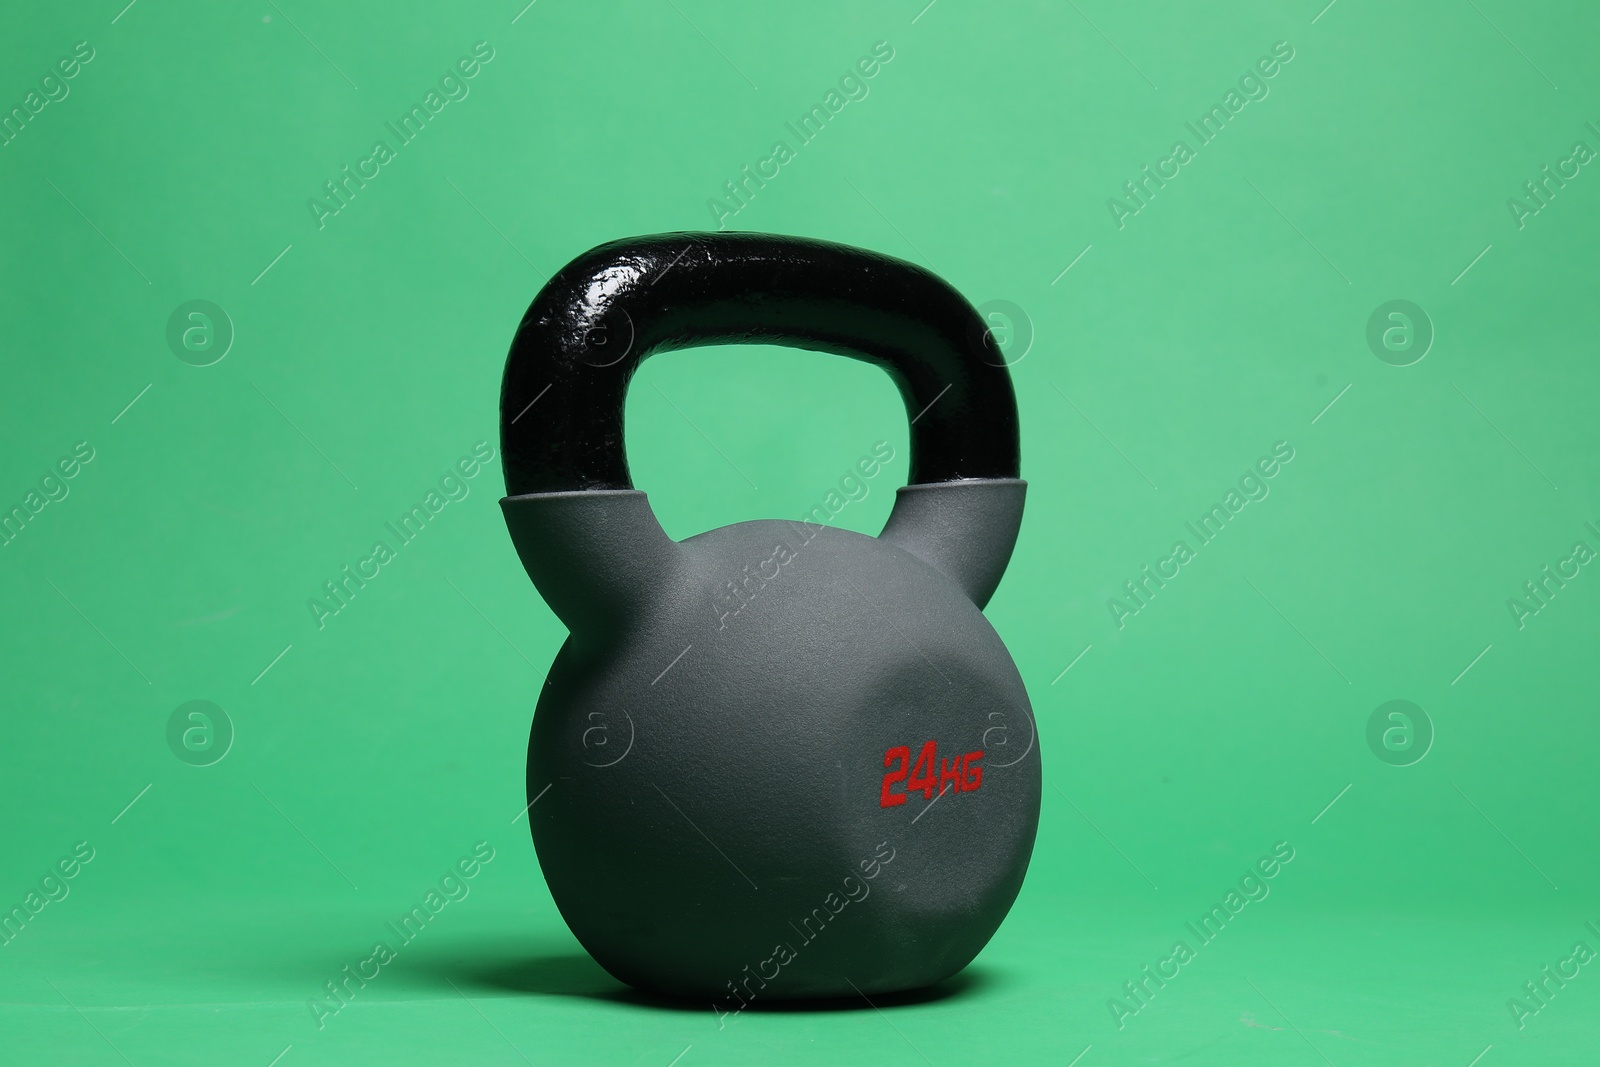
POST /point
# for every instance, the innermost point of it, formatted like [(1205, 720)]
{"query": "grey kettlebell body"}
[(776, 760)]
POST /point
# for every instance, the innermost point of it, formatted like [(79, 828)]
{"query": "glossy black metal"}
[(566, 377)]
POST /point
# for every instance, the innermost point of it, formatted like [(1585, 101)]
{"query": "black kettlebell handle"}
[(584, 335)]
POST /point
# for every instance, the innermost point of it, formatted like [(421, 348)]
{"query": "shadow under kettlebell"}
[(574, 974)]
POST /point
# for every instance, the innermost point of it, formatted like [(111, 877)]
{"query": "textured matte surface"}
[(1177, 349), (706, 765)]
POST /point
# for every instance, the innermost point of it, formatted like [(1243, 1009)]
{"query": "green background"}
[(1226, 316)]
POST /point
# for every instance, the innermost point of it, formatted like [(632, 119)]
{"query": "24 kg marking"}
[(962, 772)]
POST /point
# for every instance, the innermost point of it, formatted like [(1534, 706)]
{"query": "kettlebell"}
[(778, 760)]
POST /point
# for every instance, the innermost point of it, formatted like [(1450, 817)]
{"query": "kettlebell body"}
[(777, 760)]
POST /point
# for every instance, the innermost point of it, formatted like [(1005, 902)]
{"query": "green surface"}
[(1228, 314)]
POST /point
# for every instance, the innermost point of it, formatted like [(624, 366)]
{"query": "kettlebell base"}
[(843, 993)]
